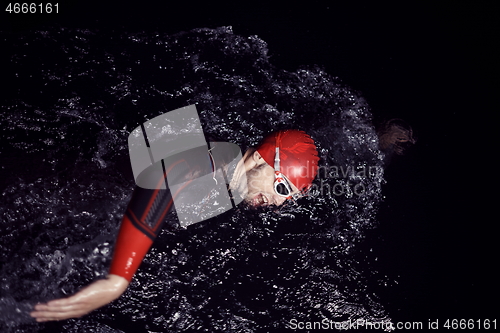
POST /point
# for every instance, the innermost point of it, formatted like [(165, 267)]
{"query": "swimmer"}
[(281, 168)]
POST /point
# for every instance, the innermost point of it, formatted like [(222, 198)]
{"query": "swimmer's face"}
[(261, 192)]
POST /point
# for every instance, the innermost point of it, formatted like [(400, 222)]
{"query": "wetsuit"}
[(148, 208)]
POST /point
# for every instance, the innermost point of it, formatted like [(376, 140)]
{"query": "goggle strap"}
[(277, 160)]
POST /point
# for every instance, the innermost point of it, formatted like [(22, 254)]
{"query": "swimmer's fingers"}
[(45, 313), (92, 297), (72, 307), (61, 305)]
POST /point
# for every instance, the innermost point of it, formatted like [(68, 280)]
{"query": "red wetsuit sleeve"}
[(140, 225), (131, 247), (147, 210)]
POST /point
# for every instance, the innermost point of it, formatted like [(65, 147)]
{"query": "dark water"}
[(74, 96)]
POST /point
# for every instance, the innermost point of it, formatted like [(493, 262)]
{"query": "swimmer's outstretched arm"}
[(92, 297), (134, 240), (140, 225)]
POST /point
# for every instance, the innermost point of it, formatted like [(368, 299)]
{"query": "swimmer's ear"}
[(257, 158)]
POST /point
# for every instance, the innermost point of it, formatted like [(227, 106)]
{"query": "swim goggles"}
[(281, 184)]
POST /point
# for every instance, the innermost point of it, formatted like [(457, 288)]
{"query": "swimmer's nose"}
[(278, 200)]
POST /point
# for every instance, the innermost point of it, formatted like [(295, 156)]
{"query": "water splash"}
[(66, 182)]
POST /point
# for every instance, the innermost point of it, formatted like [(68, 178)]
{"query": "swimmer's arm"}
[(94, 296), (131, 246)]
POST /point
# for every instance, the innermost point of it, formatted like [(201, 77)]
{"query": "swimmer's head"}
[(291, 153), (283, 166)]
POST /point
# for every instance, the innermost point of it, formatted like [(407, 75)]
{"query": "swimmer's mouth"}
[(260, 200)]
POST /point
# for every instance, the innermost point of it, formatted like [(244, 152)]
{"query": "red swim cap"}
[(297, 153)]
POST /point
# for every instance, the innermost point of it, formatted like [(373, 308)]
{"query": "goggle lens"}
[(281, 189), (281, 185)]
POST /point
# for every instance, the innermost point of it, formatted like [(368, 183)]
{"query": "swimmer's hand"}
[(92, 297)]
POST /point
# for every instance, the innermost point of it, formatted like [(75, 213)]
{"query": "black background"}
[(433, 65)]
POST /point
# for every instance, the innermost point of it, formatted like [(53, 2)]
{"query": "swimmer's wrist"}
[(118, 283)]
